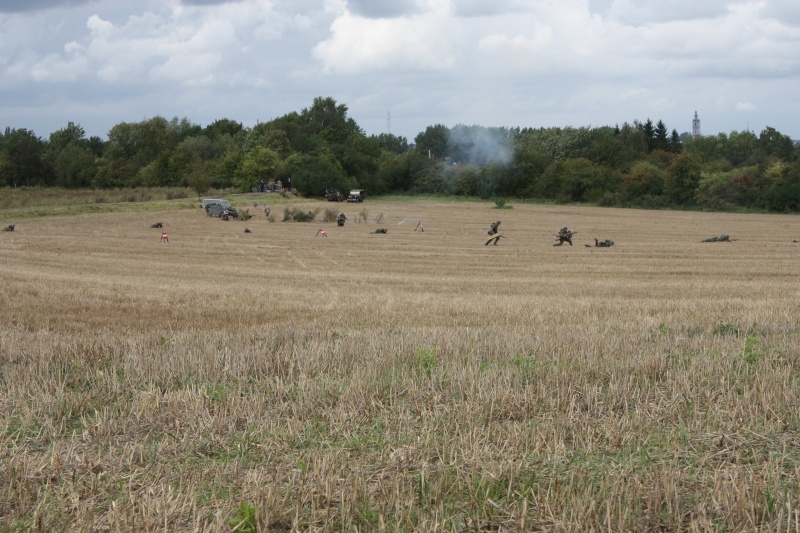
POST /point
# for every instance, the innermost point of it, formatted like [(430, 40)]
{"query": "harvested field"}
[(409, 381)]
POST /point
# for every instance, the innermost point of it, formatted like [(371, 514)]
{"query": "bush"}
[(293, 213), (329, 215)]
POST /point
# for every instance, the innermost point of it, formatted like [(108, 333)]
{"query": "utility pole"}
[(388, 123)]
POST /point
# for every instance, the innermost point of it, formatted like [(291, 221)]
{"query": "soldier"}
[(10, 227), (494, 228), (340, 220), (565, 235)]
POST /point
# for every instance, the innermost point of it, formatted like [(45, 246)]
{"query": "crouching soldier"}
[(340, 220), (564, 235)]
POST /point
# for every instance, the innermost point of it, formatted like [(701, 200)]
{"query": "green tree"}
[(225, 168), (723, 190), (675, 145), (136, 145), (740, 148), (432, 142), (605, 147), (773, 143), (25, 163), (634, 142), (329, 121), (258, 164), (312, 174), (74, 167), (649, 132), (528, 164), (72, 134), (783, 195), (398, 173), (643, 179), (183, 128), (660, 139), (221, 127), (681, 179), (393, 143), (199, 179)]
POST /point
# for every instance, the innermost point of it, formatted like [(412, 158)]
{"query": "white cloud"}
[(53, 68), (504, 62), (358, 44)]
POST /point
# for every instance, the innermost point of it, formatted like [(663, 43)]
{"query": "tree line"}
[(633, 165)]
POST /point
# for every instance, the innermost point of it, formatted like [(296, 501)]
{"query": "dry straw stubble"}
[(406, 381)]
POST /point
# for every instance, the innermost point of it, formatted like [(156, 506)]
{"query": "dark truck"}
[(334, 195), (222, 210)]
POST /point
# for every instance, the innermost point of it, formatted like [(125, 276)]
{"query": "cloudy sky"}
[(402, 65)]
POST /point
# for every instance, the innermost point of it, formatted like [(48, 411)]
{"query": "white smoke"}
[(479, 145)]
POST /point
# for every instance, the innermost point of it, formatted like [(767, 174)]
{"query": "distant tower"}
[(695, 126)]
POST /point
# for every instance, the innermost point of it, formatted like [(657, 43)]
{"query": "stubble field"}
[(411, 381)]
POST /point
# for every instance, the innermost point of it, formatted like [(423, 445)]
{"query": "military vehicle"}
[(334, 195), (223, 211), (356, 195)]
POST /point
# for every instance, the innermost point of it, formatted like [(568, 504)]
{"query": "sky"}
[(402, 65)]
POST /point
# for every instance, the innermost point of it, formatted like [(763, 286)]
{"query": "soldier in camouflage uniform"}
[(493, 233), (565, 235)]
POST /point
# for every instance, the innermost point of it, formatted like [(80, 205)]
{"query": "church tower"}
[(695, 126)]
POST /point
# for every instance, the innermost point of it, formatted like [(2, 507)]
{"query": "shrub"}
[(293, 213), (329, 215)]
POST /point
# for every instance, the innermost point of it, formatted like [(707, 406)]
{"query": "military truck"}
[(356, 195), (213, 201), (334, 195), (223, 211)]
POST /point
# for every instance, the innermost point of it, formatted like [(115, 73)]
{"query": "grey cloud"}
[(22, 6), (208, 2), (383, 8), (786, 12), (639, 12), (482, 8)]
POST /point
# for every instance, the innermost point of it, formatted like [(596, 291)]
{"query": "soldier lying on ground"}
[(564, 235), (601, 244), (380, 230), (157, 225), (721, 238), (10, 227)]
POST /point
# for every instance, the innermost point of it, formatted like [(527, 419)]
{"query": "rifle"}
[(495, 238)]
